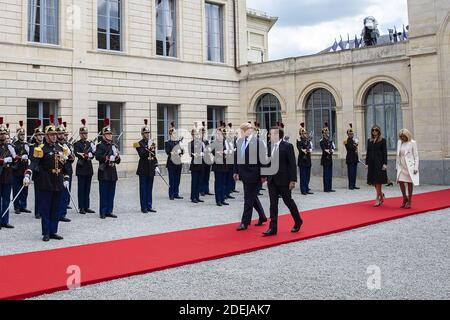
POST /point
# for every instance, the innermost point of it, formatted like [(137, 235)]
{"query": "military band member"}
[(51, 180), (84, 150), (36, 140), (62, 136), (220, 168), (147, 168), (328, 147), (206, 174), (174, 165), (7, 155), (304, 146), (21, 163), (352, 158), (197, 150), (108, 156)]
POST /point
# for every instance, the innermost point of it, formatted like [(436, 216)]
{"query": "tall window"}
[(40, 110), (109, 24), (268, 111), (215, 116), (43, 21), (166, 30), (167, 113), (112, 111), (214, 32), (320, 108), (383, 108)]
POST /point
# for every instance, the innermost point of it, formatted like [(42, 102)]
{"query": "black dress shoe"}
[(46, 238), (152, 211), (37, 217), (356, 188), (230, 197), (82, 211), (260, 194), (234, 191), (260, 223), (219, 204), (296, 228), (332, 190), (102, 217), (309, 192), (144, 211), (56, 237), (172, 198), (111, 216), (194, 201), (270, 233), (89, 211), (179, 198), (202, 194), (25, 211), (304, 193), (200, 200), (69, 208), (7, 226), (17, 211), (242, 227), (225, 203), (64, 220), (209, 194)]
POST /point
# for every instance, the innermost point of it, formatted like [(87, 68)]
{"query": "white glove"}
[(8, 160), (26, 181), (66, 184), (114, 149), (27, 148), (179, 151), (112, 158), (202, 154), (90, 155), (157, 171), (93, 147), (25, 157)]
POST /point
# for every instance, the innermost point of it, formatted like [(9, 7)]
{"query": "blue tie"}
[(244, 146)]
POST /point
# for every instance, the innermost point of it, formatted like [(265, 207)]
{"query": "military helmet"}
[(51, 127), (145, 128), (107, 128), (60, 128), (350, 129), (302, 129), (3, 129), (38, 130), (20, 129), (83, 128), (326, 129)]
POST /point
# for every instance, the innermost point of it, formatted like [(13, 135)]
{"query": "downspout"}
[(235, 39)]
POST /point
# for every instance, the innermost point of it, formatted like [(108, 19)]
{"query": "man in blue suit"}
[(250, 152)]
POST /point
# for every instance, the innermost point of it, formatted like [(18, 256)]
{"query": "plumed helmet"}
[(51, 127), (83, 128), (145, 128), (106, 126), (302, 129), (38, 130), (20, 129), (60, 128), (326, 129), (350, 128)]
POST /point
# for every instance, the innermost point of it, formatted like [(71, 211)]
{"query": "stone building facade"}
[(187, 61)]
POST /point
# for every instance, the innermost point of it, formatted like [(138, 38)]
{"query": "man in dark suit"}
[(247, 168), (282, 181)]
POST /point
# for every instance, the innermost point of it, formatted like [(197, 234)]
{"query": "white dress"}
[(404, 175)]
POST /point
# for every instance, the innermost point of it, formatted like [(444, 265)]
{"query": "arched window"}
[(320, 108), (268, 111), (383, 108)]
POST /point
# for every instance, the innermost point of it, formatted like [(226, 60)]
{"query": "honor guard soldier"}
[(108, 156), (197, 152), (304, 146), (36, 140), (147, 168), (7, 155), (328, 147), (62, 136), (174, 165), (50, 170), (204, 187), (84, 150), (231, 138), (220, 151), (352, 158), (21, 163)]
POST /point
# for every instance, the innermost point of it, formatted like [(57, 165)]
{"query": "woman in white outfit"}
[(407, 166)]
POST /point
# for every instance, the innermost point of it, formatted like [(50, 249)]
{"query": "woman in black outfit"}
[(376, 163)]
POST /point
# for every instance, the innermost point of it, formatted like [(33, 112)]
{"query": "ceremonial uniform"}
[(21, 163), (174, 165), (85, 152), (230, 183), (206, 173), (304, 147), (220, 168), (197, 152), (351, 159), (147, 167), (108, 157), (7, 154), (38, 131), (327, 160), (70, 159)]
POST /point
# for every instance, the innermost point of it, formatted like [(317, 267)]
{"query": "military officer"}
[(220, 168), (147, 168), (352, 158), (36, 140), (174, 165), (206, 174), (108, 156), (230, 142), (84, 151), (51, 180), (62, 136), (21, 163), (197, 152), (304, 146), (328, 147), (7, 155)]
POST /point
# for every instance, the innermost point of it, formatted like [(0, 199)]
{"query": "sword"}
[(159, 173), (73, 201), (12, 202)]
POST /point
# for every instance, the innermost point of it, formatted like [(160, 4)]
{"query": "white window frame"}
[(223, 10), (108, 30), (30, 38)]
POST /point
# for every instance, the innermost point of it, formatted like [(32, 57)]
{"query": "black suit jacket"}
[(327, 158), (195, 149), (147, 162), (352, 151), (84, 166), (304, 159), (249, 168), (287, 171)]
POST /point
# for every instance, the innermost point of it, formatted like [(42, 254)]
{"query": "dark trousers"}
[(48, 208), (230, 183), (174, 181), (37, 201), (146, 192), (327, 178), (196, 183), (220, 186), (21, 201), (206, 174), (107, 194), (84, 192), (274, 192), (251, 201), (352, 169), (305, 178), (65, 200), (5, 199)]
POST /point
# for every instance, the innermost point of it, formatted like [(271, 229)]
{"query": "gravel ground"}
[(414, 262)]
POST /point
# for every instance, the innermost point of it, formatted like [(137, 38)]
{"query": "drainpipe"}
[(235, 38)]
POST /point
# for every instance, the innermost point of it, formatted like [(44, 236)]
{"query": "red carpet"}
[(32, 274)]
